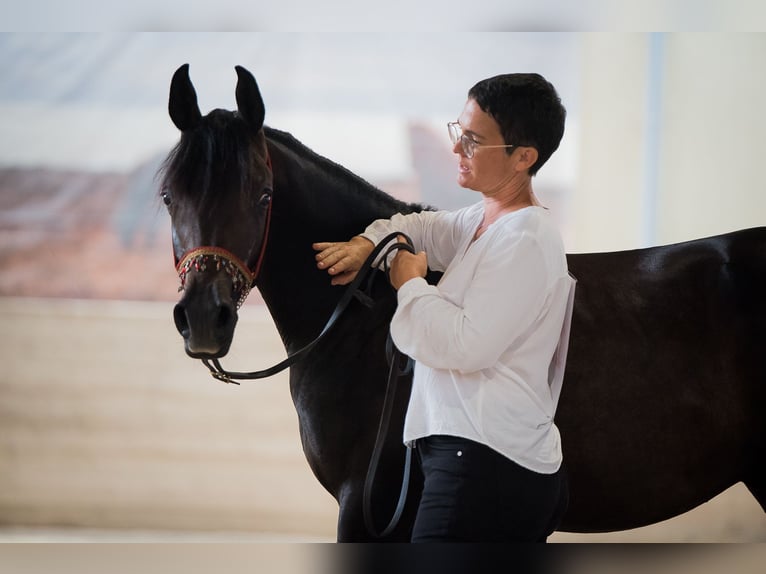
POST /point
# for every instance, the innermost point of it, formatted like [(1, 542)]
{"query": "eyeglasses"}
[(469, 145)]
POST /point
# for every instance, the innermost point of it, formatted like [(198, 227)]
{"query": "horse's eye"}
[(265, 198), (165, 197)]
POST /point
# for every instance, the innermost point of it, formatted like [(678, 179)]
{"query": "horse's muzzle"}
[(205, 317)]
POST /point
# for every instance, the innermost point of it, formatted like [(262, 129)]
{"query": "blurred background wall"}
[(104, 423), (671, 138)]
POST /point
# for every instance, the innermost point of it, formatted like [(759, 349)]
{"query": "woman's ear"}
[(527, 156)]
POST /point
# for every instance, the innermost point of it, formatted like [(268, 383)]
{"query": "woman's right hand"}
[(343, 260)]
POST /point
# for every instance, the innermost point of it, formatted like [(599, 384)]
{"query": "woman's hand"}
[(343, 260), (406, 266)]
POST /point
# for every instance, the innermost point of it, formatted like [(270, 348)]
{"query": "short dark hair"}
[(527, 109)]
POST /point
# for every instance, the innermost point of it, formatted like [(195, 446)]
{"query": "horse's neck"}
[(309, 206)]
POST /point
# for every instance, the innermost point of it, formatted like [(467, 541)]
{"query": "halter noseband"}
[(242, 277), (202, 258)]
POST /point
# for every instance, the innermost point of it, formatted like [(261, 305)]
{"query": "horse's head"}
[(217, 186)]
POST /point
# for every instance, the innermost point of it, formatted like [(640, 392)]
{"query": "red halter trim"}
[(262, 254), (265, 240)]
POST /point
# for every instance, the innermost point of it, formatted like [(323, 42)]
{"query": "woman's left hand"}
[(406, 266)]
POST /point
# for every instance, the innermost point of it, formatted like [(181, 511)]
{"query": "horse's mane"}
[(339, 175), (224, 138)]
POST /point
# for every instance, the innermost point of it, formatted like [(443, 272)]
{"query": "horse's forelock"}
[(208, 154)]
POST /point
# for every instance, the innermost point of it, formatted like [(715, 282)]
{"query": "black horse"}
[(664, 394)]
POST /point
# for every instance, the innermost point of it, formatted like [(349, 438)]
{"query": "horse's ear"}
[(183, 107), (249, 100)]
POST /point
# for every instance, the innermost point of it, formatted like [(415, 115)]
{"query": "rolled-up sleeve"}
[(435, 232), (505, 295)]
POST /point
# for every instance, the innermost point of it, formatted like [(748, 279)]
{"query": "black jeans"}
[(472, 493)]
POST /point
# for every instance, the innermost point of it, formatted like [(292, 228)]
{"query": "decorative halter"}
[(243, 278), (202, 258)]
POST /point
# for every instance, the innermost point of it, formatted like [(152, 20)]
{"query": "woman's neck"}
[(498, 204)]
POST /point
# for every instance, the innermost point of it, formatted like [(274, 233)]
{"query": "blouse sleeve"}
[(438, 233), (505, 296)]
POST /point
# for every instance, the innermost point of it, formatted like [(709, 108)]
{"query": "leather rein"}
[(243, 279), (354, 290)]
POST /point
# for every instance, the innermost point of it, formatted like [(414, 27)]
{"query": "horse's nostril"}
[(181, 320), (225, 317)]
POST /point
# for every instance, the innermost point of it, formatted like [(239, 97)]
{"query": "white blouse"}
[(490, 340)]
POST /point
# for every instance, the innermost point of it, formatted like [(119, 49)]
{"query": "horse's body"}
[(664, 390)]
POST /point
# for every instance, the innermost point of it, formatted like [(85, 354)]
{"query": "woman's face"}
[(490, 169)]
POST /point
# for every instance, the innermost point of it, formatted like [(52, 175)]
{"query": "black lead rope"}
[(399, 365), (353, 290)]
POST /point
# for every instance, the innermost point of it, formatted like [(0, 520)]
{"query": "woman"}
[(486, 339)]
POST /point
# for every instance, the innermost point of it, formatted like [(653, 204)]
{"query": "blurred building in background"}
[(663, 139), (85, 128)]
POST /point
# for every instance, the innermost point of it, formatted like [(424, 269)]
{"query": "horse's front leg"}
[(350, 517), (386, 491)]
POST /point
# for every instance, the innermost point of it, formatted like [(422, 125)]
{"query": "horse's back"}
[(664, 387)]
